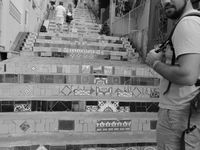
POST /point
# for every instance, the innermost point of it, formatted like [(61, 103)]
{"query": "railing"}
[(129, 22), (94, 11)]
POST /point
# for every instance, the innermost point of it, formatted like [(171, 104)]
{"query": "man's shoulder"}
[(193, 15)]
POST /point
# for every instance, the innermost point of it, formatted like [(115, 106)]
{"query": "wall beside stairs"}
[(20, 15), (135, 25)]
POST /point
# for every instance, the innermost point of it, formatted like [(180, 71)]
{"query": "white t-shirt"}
[(60, 11), (186, 40)]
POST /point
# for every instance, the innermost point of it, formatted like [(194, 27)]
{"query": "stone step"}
[(47, 65), (85, 44), (83, 92), (89, 36)]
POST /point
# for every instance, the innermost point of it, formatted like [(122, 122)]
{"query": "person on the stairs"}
[(69, 16), (75, 3), (60, 13)]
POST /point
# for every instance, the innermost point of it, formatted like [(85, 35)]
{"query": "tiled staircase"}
[(78, 90)]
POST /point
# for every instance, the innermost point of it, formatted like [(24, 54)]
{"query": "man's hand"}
[(153, 57)]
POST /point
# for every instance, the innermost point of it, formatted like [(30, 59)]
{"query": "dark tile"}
[(66, 124)]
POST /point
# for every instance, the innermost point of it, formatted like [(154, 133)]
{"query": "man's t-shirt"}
[(60, 11), (186, 40)]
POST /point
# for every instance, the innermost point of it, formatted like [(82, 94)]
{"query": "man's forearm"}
[(171, 73)]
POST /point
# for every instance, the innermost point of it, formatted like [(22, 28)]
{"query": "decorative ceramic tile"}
[(113, 125), (85, 79), (126, 109), (66, 68), (43, 68), (66, 90), (59, 69), (24, 126), (86, 69), (22, 108), (119, 70), (74, 69), (100, 81), (155, 93), (72, 79), (82, 92), (127, 72), (24, 91), (97, 70), (91, 108), (107, 106), (108, 70), (136, 92), (123, 92), (116, 80), (103, 91)]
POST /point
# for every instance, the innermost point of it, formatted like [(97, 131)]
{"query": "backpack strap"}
[(169, 41)]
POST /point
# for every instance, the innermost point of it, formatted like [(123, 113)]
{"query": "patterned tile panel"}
[(113, 125)]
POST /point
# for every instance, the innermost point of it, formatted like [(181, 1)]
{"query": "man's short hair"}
[(60, 3)]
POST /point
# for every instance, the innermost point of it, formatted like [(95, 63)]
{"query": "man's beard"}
[(177, 13)]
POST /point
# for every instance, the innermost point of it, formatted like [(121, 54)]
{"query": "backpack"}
[(191, 135)]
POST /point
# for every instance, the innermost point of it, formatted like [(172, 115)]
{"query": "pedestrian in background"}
[(179, 78), (60, 13), (69, 16)]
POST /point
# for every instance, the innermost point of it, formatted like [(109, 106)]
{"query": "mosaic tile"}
[(78, 79), (24, 126), (127, 72), (123, 93), (72, 79), (86, 69), (97, 70), (113, 125), (24, 91), (85, 79), (100, 81), (118, 70), (134, 72), (116, 80), (155, 93), (103, 91), (66, 90), (66, 69), (110, 80), (108, 70), (74, 68), (136, 92), (105, 106), (22, 108), (59, 69), (82, 92)]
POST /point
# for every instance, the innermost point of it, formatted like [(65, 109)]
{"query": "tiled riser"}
[(125, 146), (78, 106), (29, 126), (34, 68), (95, 92), (79, 79)]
